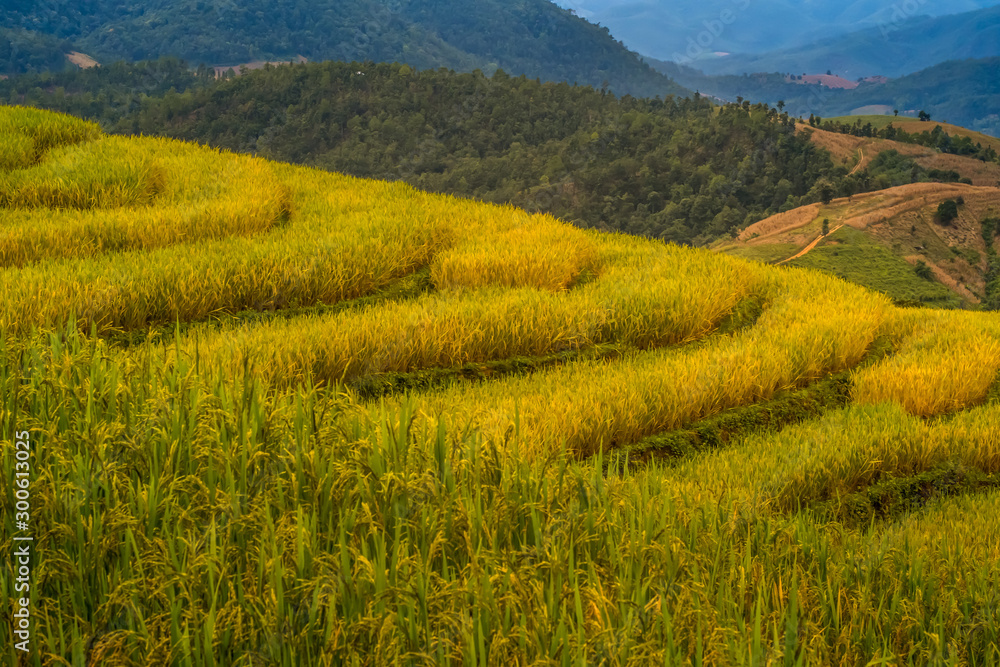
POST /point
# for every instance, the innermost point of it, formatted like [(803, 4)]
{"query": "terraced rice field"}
[(281, 416)]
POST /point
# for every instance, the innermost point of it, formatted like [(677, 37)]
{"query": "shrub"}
[(947, 211), (924, 271)]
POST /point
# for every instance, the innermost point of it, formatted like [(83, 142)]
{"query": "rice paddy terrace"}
[(282, 416)]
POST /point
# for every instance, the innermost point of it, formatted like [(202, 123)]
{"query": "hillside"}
[(891, 49), (29, 51), (673, 169), (661, 29), (916, 126), (273, 414), (967, 93), (877, 239), (531, 37), (858, 152)]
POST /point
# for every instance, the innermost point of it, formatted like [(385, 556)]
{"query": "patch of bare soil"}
[(81, 60)]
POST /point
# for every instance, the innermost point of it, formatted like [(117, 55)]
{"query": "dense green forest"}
[(684, 170), (105, 94), (30, 51), (531, 37)]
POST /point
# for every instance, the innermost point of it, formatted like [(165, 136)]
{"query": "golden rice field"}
[(279, 416)]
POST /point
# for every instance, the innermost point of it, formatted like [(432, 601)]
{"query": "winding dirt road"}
[(861, 161), (812, 245)]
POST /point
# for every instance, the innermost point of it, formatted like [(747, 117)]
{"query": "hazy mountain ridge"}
[(892, 49), (531, 37), (664, 29)]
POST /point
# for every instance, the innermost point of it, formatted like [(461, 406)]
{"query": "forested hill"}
[(965, 92), (679, 169), (531, 37)]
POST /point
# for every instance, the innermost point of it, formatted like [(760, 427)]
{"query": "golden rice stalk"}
[(947, 363)]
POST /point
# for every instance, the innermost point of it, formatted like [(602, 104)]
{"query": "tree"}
[(924, 116), (924, 271), (895, 112), (947, 211), (781, 105), (826, 226), (826, 192)]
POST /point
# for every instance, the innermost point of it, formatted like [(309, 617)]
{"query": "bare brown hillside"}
[(858, 152), (902, 219)]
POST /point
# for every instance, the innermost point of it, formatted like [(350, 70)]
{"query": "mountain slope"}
[(531, 37), (910, 46), (680, 30), (29, 51), (877, 239), (966, 93), (859, 152)]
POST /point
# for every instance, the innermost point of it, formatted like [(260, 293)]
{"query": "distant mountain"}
[(689, 31), (909, 46), (965, 92), (531, 37)]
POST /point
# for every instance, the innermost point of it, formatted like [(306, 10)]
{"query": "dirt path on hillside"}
[(805, 251), (861, 161)]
